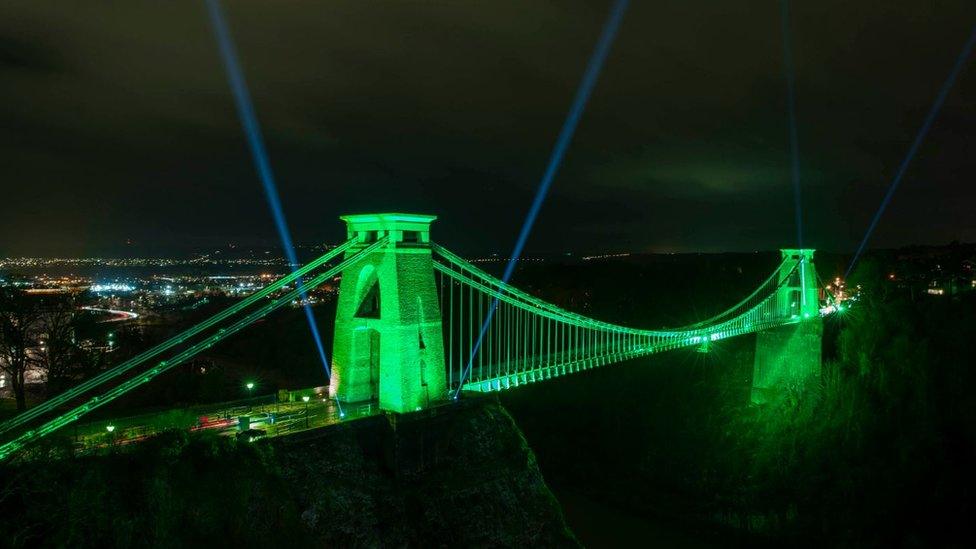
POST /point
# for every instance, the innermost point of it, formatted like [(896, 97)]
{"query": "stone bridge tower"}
[(788, 357), (389, 344)]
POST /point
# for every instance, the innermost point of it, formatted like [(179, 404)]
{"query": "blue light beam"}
[(791, 107), (587, 84), (933, 112), (249, 122)]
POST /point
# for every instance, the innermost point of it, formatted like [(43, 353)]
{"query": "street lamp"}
[(305, 400), (110, 428)]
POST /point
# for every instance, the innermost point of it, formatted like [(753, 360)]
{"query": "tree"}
[(39, 333), (19, 317), (58, 355)]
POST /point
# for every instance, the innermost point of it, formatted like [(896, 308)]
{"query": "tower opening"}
[(370, 305)]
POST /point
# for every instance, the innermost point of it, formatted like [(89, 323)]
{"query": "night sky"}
[(117, 123)]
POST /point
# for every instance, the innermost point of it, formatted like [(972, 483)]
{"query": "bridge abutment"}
[(389, 344), (788, 356), (787, 360)]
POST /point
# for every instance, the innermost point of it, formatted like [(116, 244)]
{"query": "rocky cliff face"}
[(464, 478), (461, 476)]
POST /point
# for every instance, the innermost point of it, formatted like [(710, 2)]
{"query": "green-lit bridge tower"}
[(388, 337), (788, 356)]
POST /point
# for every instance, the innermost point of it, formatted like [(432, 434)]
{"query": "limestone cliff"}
[(460, 476)]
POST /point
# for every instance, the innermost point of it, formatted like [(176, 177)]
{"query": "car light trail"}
[(117, 314)]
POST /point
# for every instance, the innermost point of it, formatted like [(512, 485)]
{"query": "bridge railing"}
[(497, 336)]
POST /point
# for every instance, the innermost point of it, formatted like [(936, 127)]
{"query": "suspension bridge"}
[(417, 325)]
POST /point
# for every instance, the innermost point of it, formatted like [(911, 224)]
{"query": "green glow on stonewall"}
[(788, 356), (388, 343)]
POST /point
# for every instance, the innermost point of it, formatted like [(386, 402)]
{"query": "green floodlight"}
[(110, 428), (305, 398), (249, 385)]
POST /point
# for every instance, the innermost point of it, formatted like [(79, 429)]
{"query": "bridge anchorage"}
[(416, 323)]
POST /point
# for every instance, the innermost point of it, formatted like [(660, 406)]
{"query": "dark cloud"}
[(116, 122)]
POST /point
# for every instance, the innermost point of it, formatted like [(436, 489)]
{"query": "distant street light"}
[(305, 400), (250, 387), (110, 428)]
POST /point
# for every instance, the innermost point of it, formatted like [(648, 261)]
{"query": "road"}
[(260, 414)]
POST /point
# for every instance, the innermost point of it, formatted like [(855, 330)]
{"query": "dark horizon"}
[(268, 249)]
